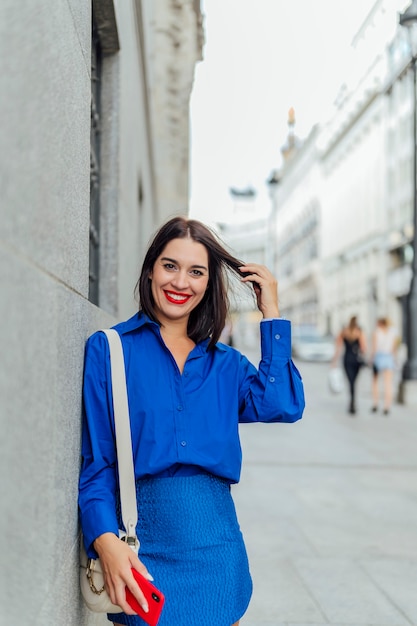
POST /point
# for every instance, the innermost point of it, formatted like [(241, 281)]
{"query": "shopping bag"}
[(335, 379)]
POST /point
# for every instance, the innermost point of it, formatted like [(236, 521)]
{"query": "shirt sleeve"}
[(98, 481), (273, 393)]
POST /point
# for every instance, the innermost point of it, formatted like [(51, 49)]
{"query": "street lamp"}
[(408, 19)]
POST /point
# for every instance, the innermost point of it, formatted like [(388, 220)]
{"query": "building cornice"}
[(173, 44), (146, 103)]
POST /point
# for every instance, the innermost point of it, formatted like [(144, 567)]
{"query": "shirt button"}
[(277, 336), (186, 374), (271, 379), (179, 407), (183, 443)]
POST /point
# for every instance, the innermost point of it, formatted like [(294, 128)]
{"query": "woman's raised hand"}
[(265, 286)]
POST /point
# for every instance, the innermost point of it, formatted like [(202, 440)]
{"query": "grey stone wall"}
[(173, 42), (44, 190), (45, 94), (44, 186)]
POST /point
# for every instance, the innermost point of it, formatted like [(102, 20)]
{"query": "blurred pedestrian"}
[(385, 342), (352, 340), (187, 394)]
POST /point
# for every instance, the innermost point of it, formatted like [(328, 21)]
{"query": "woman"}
[(384, 347), (352, 340), (187, 393)]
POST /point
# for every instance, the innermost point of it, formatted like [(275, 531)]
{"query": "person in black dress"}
[(352, 340)]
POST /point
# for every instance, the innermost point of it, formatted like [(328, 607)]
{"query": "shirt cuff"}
[(95, 522), (269, 319), (276, 338)]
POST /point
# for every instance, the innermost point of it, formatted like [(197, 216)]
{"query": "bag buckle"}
[(132, 542)]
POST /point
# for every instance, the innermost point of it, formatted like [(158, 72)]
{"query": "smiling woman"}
[(187, 395), (208, 258), (179, 280)]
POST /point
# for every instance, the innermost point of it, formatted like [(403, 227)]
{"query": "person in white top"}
[(384, 349)]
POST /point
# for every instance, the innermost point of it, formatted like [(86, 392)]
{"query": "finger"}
[(252, 278), (246, 271), (124, 604), (260, 276), (255, 268), (140, 567), (138, 594), (252, 265), (117, 593)]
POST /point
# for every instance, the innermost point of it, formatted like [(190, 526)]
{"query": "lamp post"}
[(408, 19)]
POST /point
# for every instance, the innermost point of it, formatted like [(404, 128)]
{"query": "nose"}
[(180, 280)]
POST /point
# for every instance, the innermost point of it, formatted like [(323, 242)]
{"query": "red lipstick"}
[(177, 298)]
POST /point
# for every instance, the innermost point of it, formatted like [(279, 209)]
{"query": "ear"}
[(150, 275)]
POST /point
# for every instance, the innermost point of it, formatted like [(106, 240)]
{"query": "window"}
[(103, 149), (94, 265)]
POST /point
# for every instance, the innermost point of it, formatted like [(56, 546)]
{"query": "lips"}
[(176, 298)]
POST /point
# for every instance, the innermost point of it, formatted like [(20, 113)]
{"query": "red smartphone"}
[(154, 597)]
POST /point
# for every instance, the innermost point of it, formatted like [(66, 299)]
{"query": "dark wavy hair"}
[(208, 319)]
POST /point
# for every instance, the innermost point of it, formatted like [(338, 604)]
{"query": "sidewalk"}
[(328, 508)]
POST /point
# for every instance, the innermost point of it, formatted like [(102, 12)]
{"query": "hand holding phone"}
[(154, 598)]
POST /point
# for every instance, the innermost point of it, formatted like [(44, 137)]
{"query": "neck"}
[(174, 330)]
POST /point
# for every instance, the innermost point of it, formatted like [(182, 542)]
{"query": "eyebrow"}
[(166, 258)]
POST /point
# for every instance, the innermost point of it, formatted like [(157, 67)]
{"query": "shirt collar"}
[(134, 323), (140, 319)]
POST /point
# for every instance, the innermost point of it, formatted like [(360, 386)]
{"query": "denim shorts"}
[(383, 361)]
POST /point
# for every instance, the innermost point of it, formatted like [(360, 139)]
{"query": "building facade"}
[(353, 226), (358, 184), (94, 156), (247, 233), (295, 219), (367, 159)]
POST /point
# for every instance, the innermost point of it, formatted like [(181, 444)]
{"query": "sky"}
[(262, 57)]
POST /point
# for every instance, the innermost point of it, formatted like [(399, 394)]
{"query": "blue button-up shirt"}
[(180, 422)]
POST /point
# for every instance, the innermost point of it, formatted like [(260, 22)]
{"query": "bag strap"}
[(123, 436)]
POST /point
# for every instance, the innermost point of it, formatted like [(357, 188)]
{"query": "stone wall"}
[(45, 94)]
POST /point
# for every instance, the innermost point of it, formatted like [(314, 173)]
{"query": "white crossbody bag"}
[(91, 576)]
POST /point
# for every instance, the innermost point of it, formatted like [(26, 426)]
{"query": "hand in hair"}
[(265, 287)]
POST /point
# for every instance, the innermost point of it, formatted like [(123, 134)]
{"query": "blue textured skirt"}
[(191, 543)]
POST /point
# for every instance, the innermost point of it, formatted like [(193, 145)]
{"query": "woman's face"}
[(179, 278)]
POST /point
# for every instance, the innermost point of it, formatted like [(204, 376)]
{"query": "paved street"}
[(328, 507)]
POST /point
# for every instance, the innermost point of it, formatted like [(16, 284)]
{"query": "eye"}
[(197, 273), (169, 266)]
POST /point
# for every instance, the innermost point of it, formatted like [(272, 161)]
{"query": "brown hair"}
[(209, 317), (353, 323)]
